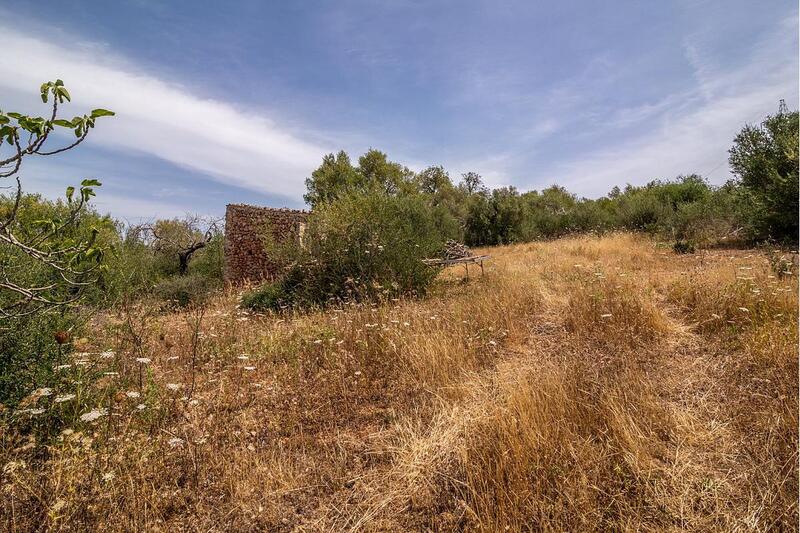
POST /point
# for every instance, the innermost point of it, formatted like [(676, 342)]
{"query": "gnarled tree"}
[(177, 240)]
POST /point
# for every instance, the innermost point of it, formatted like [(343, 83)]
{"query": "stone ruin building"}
[(245, 229)]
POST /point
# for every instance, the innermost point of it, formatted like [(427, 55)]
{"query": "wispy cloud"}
[(685, 132), (160, 117)]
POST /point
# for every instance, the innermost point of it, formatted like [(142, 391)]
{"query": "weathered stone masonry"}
[(245, 228)]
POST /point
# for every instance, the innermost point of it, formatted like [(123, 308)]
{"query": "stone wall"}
[(245, 229)]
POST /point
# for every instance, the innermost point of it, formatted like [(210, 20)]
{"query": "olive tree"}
[(764, 158), (177, 240)]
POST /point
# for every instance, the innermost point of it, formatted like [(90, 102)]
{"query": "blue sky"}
[(238, 101)]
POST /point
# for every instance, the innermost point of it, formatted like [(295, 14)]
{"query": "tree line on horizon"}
[(758, 204)]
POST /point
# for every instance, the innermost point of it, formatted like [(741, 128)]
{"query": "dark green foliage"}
[(683, 247), (268, 297), (337, 177), (494, 218), (87, 226), (765, 160), (181, 291), (209, 262), (29, 354), (686, 208), (359, 247)]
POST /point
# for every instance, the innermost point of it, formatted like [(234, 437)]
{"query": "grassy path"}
[(587, 384)]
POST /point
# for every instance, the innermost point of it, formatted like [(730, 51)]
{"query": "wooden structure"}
[(466, 261)]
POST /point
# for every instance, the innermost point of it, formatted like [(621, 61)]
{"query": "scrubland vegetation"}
[(626, 363), (589, 383)]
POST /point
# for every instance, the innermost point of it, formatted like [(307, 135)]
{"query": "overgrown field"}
[(583, 384)]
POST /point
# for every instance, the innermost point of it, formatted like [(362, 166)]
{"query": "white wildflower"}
[(108, 476), (174, 386), (132, 394), (143, 360), (249, 368), (606, 315), (63, 398), (141, 407), (108, 354), (94, 414), (175, 442)]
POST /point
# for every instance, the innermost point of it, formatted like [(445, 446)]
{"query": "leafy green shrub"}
[(765, 160), (706, 221), (270, 296), (683, 247), (495, 218), (209, 261), (30, 355), (181, 291), (358, 247)]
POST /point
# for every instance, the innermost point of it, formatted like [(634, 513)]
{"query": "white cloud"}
[(692, 131), (161, 118)]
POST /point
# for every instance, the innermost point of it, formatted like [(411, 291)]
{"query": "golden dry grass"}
[(583, 384)]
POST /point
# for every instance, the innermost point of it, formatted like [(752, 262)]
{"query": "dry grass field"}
[(583, 384)]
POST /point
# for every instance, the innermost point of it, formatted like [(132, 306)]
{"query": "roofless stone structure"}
[(245, 229)]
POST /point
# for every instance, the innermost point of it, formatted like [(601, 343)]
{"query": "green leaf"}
[(90, 182), (79, 131), (50, 224), (102, 113), (70, 192), (63, 123), (64, 93)]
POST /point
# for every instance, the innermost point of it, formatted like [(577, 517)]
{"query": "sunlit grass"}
[(591, 383)]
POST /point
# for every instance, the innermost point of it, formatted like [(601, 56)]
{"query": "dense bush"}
[(181, 291), (30, 354), (269, 296), (765, 160), (209, 261), (88, 225), (358, 247)]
